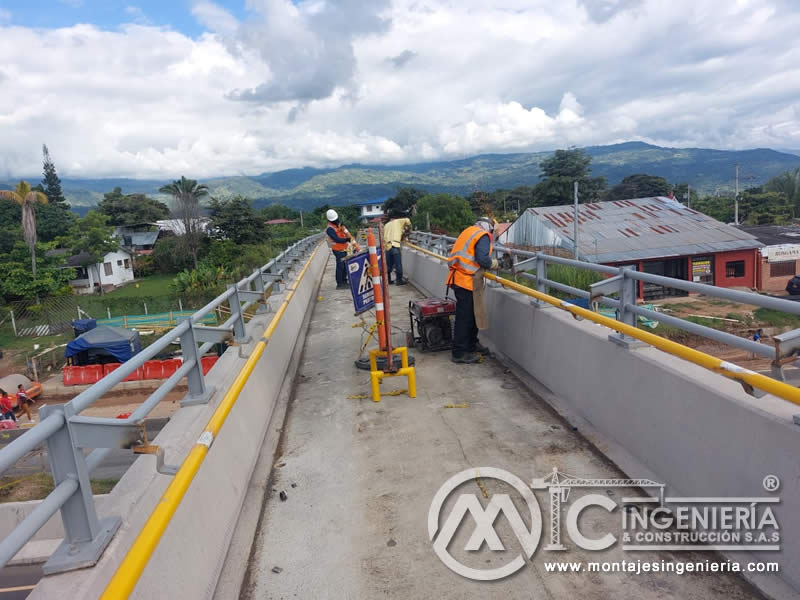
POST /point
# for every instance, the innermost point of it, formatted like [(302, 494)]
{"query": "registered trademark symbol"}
[(771, 483)]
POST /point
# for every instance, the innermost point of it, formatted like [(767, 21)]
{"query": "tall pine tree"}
[(51, 183)]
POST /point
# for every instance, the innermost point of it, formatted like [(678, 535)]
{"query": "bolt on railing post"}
[(85, 536), (199, 392), (239, 331)]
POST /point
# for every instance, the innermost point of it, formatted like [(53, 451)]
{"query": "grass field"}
[(38, 485), (154, 285)]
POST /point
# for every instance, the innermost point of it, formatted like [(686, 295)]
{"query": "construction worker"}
[(394, 232), (338, 239), (471, 252)]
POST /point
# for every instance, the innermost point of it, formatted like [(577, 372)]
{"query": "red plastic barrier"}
[(170, 365), (207, 362), (92, 373), (72, 375), (135, 376), (153, 369)]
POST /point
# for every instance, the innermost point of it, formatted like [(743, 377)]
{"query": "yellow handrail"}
[(744, 376), (131, 567)]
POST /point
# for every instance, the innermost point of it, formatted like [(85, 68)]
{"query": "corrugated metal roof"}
[(622, 230)]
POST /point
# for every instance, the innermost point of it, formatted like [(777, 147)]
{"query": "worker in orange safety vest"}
[(471, 252), (338, 239)]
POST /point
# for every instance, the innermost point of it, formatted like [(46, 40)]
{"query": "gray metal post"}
[(199, 392), (239, 332), (541, 273), (258, 283), (575, 224), (627, 297), (13, 323), (86, 536)]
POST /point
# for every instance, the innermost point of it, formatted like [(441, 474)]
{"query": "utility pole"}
[(688, 195), (736, 199), (301, 220), (575, 236)]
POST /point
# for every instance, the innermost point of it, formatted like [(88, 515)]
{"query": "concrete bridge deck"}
[(359, 479)]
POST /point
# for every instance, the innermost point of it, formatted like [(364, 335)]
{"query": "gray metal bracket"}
[(69, 557), (259, 296), (201, 398), (612, 285), (215, 335), (787, 345), (520, 266), (99, 432), (158, 452)]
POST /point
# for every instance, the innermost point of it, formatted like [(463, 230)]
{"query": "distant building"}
[(779, 259), (279, 222), (139, 239), (115, 270), (372, 209), (655, 235)]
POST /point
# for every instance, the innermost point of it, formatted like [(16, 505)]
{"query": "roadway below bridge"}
[(346, 515)]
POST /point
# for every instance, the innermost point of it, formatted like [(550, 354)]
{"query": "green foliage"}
[(279, 211), (756, 207), (51, 182), (170, 255), (639, 186), (349, 215), (15, 274), (91, 236), (560, 172), (572, 276), (235, 220), (448, 214), (187, 194), (788, 185), (131, 209), (52, 220), (402, 204), (776, 318)]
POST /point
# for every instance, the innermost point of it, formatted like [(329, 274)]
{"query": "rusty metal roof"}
[(622, 230)]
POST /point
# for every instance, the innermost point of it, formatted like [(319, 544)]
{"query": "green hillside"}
[(707, 171)]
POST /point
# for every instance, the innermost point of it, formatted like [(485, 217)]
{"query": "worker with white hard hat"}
[(338, 240)]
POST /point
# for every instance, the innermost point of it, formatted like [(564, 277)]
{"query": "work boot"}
[(341, 286), (401, 282), (481, 349), (466, 358)]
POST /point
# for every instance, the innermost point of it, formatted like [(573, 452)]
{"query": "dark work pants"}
[(341, 270), (394, 261), (466, 331)]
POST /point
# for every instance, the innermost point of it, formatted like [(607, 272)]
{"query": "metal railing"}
[(624, 282), (66, 432)]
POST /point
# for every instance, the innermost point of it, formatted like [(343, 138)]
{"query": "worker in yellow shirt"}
[(394, 232)]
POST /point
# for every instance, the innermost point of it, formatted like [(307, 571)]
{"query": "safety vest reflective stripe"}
[(462, 256)]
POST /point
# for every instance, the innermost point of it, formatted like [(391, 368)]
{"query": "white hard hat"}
[(332, 215)]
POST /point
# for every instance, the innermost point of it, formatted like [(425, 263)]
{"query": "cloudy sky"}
[(160, 88)]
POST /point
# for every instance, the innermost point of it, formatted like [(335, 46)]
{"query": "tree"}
[(640, 186), (27, 199), (51, 182), (403, 203), (279, 211), (187, 194), (15, 276), (560, 172), (131, 209), (236, 220), (92, 238), (447, 214), (788, 184)]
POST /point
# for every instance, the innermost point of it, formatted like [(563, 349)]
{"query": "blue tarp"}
[(83, 325), (104, 340)]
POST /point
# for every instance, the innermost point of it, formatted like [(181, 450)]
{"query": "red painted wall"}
[(749, 258)]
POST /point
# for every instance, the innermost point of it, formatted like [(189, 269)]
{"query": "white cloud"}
[(321, 82)]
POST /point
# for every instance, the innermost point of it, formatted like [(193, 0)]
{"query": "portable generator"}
[(431, 325)]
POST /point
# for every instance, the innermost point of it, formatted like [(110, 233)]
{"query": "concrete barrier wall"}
[(187, 561), (653, 414)]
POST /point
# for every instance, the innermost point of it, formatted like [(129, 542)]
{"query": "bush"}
[(171, 255)]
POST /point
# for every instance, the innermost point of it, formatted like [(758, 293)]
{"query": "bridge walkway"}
[(359, 478)]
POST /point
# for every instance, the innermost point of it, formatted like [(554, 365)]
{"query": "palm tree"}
[(27, 199), (788, 184), (187, 194)]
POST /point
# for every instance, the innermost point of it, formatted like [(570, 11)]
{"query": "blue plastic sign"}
[(360, 281)]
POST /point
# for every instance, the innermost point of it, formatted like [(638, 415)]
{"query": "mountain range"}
[(706, 170)]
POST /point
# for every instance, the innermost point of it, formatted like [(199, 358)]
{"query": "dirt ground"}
[(115, 403)]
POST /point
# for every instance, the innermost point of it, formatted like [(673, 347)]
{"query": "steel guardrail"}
[(66, 433), (749, 379), (136, 558), (435, 242)]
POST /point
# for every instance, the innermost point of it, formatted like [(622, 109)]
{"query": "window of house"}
[(119, 263), (782, 269), (127, 263), (109, 269), (734, 269)]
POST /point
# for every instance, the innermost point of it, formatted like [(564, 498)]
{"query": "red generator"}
[(431, 325)]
